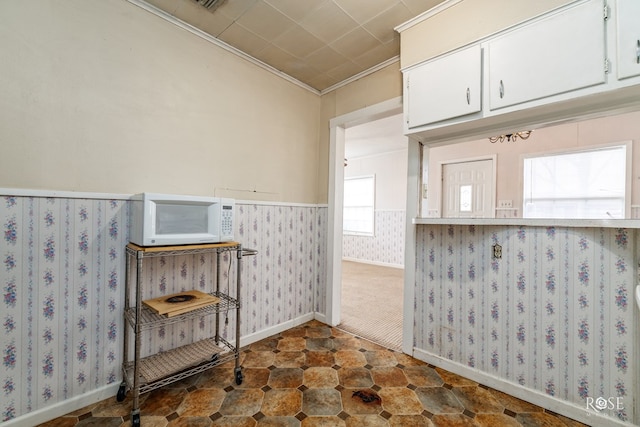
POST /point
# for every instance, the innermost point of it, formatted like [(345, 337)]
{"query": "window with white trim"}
[(359, 205), (587, 184)]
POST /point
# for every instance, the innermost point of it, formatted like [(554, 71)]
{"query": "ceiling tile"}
[(234, 9), (277, 57), (298, 41), (362, 14), (355, 43), (321, 81), (215, 23), (190, 12), (305, 73), (306, 38), (265, 21), (168, 6), (328, 22), (379, 26), (378, 54), (296, 9), (344, 71), (296, 70), (325, 58), (243, 39)]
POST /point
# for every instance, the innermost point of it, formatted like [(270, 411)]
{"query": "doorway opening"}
[(333, 290), (374, 202), (372, 302)]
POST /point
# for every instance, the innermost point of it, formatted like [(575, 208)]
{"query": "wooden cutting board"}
[(182, 302)]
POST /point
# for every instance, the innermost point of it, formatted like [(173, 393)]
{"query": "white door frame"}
[(334, 227)]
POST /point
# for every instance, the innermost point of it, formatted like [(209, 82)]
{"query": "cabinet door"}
[(558, 54), (628, 34), (445, 88)]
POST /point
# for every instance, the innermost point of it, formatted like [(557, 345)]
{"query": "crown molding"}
[(208, 37), (426, 15), (361, 74)]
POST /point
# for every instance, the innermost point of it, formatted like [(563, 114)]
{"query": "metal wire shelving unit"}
[(144, 374)]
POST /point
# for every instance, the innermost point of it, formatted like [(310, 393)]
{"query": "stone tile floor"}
[(306, 376)]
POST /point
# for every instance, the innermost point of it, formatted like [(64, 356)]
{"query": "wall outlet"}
[(505, 203), (497, 251)]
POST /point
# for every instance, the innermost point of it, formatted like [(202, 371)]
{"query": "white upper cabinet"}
[(445, 88), (628, 38), (560, 53), (575, 61)]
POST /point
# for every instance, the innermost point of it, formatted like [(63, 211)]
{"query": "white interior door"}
[(467, 189)]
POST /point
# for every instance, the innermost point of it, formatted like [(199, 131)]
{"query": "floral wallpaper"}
[(62, 282), (286, 279), (554, 313), (387, 244)]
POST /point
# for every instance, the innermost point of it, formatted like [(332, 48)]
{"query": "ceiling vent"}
[(210, 4)]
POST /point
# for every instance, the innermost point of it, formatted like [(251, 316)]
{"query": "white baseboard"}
[(62, 408), (366, 261), (265, 333), (321, 317), (568, 409), (65, 407)]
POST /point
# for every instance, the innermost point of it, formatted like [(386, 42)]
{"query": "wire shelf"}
[(149, 319), (169, 366)]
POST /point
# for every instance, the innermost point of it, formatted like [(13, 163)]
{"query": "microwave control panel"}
[(226, 219)]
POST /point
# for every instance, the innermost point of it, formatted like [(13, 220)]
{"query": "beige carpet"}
[(372, 302)]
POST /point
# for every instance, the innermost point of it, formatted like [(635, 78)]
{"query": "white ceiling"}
[(317, 42), (376, 137)]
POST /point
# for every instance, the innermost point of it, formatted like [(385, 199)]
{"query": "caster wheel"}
[(135, 420), (239, 377), (122, 392)]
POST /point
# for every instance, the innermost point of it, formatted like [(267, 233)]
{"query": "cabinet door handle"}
[(501, 89), (468, 97), (638, 53)]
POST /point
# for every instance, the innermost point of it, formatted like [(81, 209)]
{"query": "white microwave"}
[(171, 219)]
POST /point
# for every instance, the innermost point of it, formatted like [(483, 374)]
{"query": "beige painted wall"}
[(566, 137), (383, 85), (103, 96), (466, 22)]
